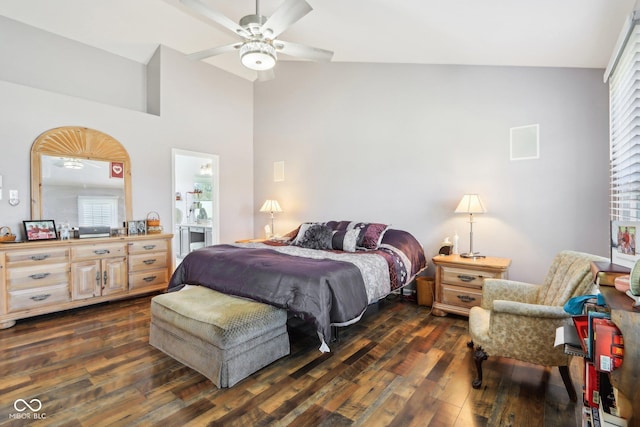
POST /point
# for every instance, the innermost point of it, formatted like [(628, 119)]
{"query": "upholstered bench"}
[(223, 337)]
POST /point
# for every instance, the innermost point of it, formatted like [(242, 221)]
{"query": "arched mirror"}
[(80, 176)]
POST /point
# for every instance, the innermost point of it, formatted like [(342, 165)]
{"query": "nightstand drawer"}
[(466, 277), (461, 296)]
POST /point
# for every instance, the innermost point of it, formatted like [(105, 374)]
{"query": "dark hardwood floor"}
[(399, 366)]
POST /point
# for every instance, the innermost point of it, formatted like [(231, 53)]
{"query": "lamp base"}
[(472, 255)]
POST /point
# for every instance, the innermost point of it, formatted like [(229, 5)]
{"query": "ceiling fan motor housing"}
[(253, 24)]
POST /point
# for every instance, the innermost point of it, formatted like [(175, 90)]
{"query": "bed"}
[(325, 273)]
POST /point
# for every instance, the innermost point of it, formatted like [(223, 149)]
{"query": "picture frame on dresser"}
[(624, 250), (132, 228), (42, 229), (141, 226)]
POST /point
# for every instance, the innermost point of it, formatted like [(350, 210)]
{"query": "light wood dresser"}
[(49, 276)]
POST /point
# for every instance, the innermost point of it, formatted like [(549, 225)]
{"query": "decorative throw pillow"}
[(301, 230), (317, 236), (370, 234), (345, 240), (339, 225)]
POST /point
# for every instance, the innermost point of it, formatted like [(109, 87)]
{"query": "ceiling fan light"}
[(258, 55), (72, 164)]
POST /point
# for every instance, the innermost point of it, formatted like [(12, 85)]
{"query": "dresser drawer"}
[(32, 257), (466, 277), (37, 276), (148, 246), (27, 299), (148, 278), (147, 261), (461, 296), (98, 251)]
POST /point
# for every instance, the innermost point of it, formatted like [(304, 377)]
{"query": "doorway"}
[(196, 213)]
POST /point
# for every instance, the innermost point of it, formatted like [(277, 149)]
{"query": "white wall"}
[(401, 144), (202, 109), (38, 59)]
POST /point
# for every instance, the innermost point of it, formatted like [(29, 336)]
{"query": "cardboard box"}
[(424, 289)]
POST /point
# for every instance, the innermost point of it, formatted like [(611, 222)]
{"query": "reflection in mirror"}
[(81, 192)]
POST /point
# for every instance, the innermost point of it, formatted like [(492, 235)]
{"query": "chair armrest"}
[(510, 290), (530, 310), (526, 332)]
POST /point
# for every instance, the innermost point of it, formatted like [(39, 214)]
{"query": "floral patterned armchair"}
[(519, 320)]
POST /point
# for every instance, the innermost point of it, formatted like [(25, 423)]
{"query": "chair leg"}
[(566, 378), (479, 356)]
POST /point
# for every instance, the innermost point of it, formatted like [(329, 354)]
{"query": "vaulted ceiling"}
[(546, 33)]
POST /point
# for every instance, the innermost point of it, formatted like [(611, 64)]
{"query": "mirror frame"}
[(78, 142)]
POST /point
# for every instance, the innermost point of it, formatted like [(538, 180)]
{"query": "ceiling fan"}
[(259, 46), (74, 163)]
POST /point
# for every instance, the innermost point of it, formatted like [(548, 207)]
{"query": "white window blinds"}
[(97, 211), (624, 93)]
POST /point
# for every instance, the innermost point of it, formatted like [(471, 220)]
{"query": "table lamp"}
[(471, 204), (271, 206)]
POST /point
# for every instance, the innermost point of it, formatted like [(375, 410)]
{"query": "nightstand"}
[(459, 281), (251, 240)]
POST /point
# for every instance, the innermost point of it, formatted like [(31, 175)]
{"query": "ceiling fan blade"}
[(213, 51), (304, 52), (217, 17), (265, 75), (289, 12)]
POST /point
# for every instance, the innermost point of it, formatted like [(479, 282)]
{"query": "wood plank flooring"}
[(399, 366)]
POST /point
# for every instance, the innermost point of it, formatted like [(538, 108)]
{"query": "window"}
[(95, 211), (623, 75)]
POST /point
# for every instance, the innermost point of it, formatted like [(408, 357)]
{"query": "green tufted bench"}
[(223, 337)]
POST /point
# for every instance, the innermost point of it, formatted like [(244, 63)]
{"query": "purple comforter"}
[(321, 290)]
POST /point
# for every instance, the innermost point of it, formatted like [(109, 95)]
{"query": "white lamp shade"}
[(470, 204), (271, 206)]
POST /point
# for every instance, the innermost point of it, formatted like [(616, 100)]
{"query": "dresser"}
[(49, 276), (459, 281)]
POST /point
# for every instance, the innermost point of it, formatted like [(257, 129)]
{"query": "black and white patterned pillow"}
[(316, 236)]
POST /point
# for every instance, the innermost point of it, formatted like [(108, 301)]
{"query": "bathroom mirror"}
[(80, 176)]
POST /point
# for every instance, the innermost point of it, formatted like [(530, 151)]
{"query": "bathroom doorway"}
[(196, 198)]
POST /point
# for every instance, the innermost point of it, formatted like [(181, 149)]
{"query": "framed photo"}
[(132, 228), (141, 225), (44, 229), (624, 250)]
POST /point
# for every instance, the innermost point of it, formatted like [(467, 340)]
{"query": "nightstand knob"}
[(466, 278), (466, 298)]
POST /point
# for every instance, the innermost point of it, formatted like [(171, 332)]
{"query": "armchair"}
[(518, 320)]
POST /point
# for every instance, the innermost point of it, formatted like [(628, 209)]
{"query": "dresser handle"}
[(149, 247), (149, 261), (150, 278), (39, 276), (466, 298), (39, 257), (101, 251), (40, 297), (466, 278)]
